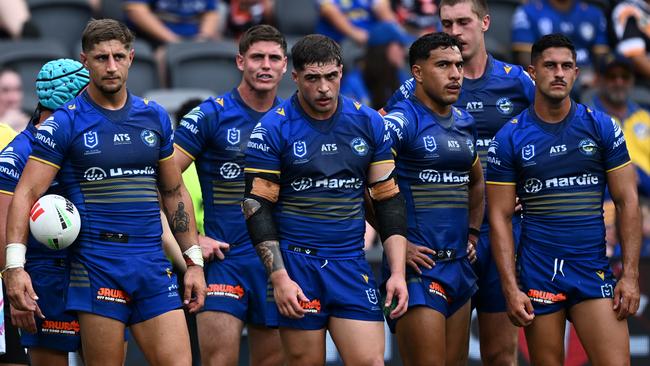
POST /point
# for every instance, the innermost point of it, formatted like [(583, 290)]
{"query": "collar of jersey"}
[(315, 123), (252, 114), (550, 128), (436, 116), (119, 115)]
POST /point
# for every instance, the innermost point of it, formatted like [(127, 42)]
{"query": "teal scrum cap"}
[(59, 81)]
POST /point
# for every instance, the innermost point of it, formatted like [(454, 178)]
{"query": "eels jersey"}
[(433, 163), (560, 173), (215, 135), (322, 167), (12, 162), (108, 167)]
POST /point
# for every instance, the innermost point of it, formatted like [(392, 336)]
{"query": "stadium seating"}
[(497, 38), (143, 75), (63, 20), (296, 17), (173, 99)]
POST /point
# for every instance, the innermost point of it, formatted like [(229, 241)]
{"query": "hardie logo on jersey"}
[(505, 106), (587, 147), (372, 296), (230, 170), (359, 146), (528, 152), (299, 149), (149, 138), (233, 136), (430, 143), (90, 139)]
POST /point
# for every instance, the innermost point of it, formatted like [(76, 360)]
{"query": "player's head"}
[(59, 81), (437, 67), (318, 68), (107, 53), (553, 66), (616, 81), (262, 57), (468, 20)]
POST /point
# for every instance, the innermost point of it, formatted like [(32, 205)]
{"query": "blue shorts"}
[(444, 288), (237, 286), (489, 297), (59, 330), (554, 284), (340, 287), (130, 287)]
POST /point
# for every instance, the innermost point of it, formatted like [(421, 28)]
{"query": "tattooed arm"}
[(269, 253)]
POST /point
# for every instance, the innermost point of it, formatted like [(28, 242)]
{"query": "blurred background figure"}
[(418, 17), (11, 100), (243, 14), (381, 70), (15, 20), (631, 23), (351, 19), (6, 135)]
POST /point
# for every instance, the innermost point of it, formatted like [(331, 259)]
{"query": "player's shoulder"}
[(281, 114), (461, 115), (351, 106), (504, 70)]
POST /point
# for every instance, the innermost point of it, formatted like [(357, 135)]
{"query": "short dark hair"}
[(315, 49), (422, 47), (261, 33), (100, 30), (554, 40), (480, 7)]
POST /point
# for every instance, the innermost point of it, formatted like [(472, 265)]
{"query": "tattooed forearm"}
[(172, 191), (269, 253), (180, 220)]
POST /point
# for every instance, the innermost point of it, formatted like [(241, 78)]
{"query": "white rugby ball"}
[(54, 221)]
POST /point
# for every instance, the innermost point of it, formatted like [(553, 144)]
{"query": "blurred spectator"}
[(584, 24), (613, 248), (614, 88), (6, 135), (11, 100), (243, 14), (381, 70), (631, 21), (351, 18), (418, 17), (14, 20), (167, 21)]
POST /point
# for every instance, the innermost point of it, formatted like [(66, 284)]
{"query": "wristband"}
[(474, 231), (15, 255), (193, 256)]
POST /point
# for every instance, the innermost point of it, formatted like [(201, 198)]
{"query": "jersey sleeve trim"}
[(167, 157), (383, 162), (620, 166), (6, 192), (184, 151), (44, 161), (476, 160), (393, 151), (253, 170), (501, 183)]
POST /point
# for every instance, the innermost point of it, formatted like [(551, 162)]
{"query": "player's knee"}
[(215, 353), (274, 358), (502, 357), (299, 358)]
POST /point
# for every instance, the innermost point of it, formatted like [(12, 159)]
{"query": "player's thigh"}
[(545, 338), (40, 356), (102, 340), (303, 347), (498, 339), (605, 338), (265, 346), (164, 339), (421, 335), (219, 337), (360, 342), (457, 335)]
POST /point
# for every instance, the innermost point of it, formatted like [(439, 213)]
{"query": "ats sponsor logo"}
[(436, 289), (312, 306), (60, 327), (223, 290), (121, 139), (545, 297), (113, 295), (558, 150)]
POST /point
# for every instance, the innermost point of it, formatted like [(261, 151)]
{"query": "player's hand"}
[(212, 248), (418, 255), (518, 205), (471, 251), (195, 288), (626, 297), (396, 288), (520, 309), (288, 295), (20, 291), (23, 320)]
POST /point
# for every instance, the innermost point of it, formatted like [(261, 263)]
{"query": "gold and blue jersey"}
[(323, 168), (433, 162), (560, 173), (215, 135), (108, 167)]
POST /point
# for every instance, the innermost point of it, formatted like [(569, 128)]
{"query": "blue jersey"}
[(12, 162), (433, 164), (358, 12), (108, 167), (323, 168), (559, 171), (584, 24), (215, 135)]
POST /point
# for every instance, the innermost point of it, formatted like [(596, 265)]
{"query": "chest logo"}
[(359, 146), (558, 150), (94, 174), (234, 136), (149, 138), (90, 139), (505, 106), (299, 149), (587, 147), (430, 143), (230, 170), (528, 152), (533, 185)]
